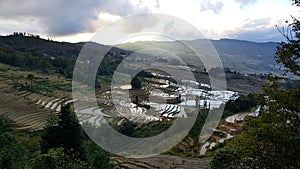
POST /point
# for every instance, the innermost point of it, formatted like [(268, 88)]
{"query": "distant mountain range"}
[(242, 56), (239, 55)]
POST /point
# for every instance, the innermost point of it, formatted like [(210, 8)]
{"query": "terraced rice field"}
[(162, 162), (229, 128), (31, 111), (25, 114), (26, 109)]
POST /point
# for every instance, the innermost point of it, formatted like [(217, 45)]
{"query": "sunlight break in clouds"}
[(76, 20)]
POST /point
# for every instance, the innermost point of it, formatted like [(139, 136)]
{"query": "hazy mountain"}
[(243, 56)]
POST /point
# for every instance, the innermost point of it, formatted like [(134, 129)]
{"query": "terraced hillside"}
[(25, 114), (29, 103), (162, 162), (31, 109), (227, 129)]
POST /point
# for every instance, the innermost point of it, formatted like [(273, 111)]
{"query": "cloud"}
[(259, 30), (63, 17), (157, 4), (139, 22), (181, 30), (244, 3), (262, 35), (215, 6), (257, 23)]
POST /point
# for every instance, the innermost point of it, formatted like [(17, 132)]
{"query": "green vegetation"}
[(12, 154), (5, 126), (57, 159), (252, 57), (62, 145), (140, 130), (47, 56), (197, 127), (243, 104), (269, 141), (136, 83), (189, 146), (272, 139), (34, 81), (44, 85), (225, 158), (67, 133)]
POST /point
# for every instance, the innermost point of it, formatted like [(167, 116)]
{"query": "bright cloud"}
[(76, 20)]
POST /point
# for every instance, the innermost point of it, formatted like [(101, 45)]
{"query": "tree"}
[(5, 127), (136, 83), (97, 157), (30, 77), (272, 139), (67, 133), (226, 159), (57, 159), (12, 154), (287, 53), (243, 104), (63, 140)]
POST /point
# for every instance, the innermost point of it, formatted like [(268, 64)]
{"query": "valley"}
[(31, 102), (139, 105)]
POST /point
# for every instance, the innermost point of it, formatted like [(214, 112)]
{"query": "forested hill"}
[(35, 44), (34, 53), (247, 56)]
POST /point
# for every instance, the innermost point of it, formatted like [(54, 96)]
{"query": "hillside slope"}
[(243, 56)]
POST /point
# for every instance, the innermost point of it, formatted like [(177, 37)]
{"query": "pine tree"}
[(67, 134)]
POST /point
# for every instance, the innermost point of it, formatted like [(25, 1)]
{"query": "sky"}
[(78, 20)]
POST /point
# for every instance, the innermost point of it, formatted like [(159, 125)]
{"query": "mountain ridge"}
[(240, 55)]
